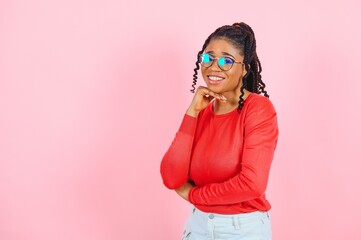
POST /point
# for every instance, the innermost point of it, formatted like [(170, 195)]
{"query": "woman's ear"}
[(244, 70)]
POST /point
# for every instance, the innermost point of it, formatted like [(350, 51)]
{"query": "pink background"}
[(92, 93)]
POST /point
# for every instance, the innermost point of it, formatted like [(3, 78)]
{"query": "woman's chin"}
[(214, 89)]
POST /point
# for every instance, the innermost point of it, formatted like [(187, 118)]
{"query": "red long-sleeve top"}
[(227, 156)]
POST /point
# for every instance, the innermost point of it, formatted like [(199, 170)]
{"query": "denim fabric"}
[(211, 226)]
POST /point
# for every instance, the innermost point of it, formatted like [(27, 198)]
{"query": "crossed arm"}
[(260, 140)]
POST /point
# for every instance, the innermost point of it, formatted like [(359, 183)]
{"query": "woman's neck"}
[(231, 103)]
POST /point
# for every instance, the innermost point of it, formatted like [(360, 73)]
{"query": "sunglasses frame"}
[(217, 58)]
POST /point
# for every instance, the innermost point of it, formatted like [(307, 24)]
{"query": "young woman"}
[(221, 156)]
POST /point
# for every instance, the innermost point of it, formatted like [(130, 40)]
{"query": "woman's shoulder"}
[(259, 102)]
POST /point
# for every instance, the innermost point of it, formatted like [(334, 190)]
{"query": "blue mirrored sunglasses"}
[(224, 63)]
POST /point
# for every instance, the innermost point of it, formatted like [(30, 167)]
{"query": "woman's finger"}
[(207, 92)]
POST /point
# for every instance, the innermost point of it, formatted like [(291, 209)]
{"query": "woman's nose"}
[(215, 66)]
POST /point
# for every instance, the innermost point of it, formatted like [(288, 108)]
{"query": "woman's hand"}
[(183, 191), (201, 99)]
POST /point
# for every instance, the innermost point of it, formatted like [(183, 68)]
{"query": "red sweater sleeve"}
[(174, 167), (260, 140)]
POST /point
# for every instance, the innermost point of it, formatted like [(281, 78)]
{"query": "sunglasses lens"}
[(221, 62), (206, 60), (225, 63)]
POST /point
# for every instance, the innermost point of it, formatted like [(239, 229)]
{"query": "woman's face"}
[(220, 81)]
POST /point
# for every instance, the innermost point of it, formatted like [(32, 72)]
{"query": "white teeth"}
[(214, 78)]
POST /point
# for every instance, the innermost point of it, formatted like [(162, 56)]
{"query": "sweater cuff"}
[(188, 125), (191, 195)]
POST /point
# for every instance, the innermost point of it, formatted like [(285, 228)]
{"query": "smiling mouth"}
[(215, 78)]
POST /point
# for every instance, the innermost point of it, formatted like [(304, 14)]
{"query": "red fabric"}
[(228, 156)]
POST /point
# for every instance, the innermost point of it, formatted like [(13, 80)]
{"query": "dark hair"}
[(242, 36)]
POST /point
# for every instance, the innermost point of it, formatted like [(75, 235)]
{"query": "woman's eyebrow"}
[(228, 54), (224, 53)]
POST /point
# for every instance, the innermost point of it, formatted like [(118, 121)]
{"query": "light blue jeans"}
[(211, 226)]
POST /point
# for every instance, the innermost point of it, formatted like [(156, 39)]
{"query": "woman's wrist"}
[(192, 113), (184, 190)]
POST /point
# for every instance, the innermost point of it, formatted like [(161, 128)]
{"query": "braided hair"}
[(242, 36)]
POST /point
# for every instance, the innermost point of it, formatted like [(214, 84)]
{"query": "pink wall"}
[(92, 93)]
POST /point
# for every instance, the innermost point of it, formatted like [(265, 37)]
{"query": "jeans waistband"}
[(231, 216)]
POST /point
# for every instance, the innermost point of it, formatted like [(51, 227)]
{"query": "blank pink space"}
[(92, 93)]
